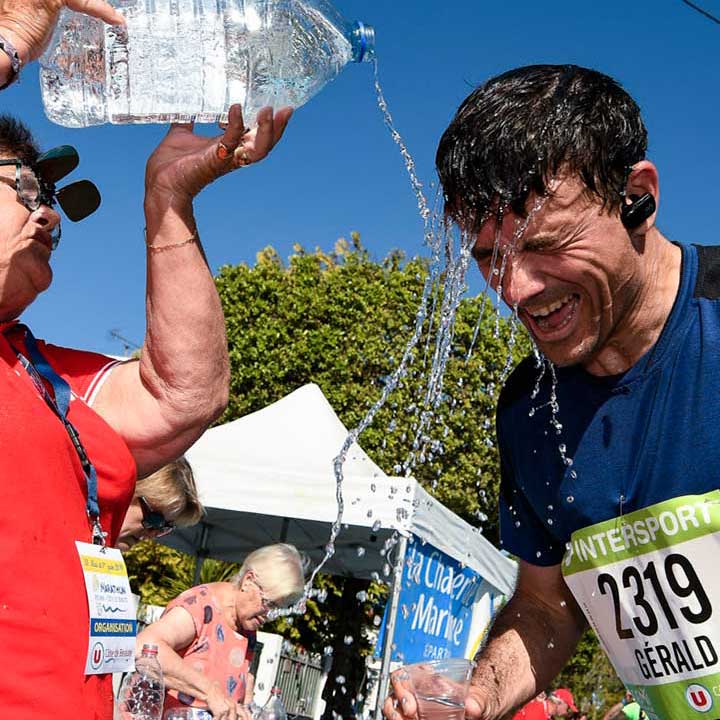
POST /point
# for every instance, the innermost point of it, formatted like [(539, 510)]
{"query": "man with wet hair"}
[(607, 436)]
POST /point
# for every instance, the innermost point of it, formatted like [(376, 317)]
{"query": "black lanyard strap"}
[(38, 368)]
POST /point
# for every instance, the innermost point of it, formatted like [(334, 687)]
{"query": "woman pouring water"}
[(206, 636)]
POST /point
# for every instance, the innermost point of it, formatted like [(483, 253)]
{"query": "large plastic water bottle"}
[(182, 60), (142, 692), (273, 709)]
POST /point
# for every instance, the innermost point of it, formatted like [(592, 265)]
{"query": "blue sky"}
[(337, 169)]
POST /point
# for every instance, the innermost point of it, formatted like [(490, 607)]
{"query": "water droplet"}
[(517, 523), (551, 645), (373, 487), (376, 525), (348, 640), (538, 554), (570, 498), (563, 603), (361, 596), (360, 551), (377, 620)]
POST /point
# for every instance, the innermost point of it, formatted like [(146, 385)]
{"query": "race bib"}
[(113, 624), (649, 585)]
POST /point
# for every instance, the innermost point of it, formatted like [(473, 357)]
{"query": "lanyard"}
[(38, 368)]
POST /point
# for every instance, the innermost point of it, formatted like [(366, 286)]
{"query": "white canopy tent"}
[(268, 477)]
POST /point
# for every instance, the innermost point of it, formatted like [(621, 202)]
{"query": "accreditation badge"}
[(113, 624), (649, 585)]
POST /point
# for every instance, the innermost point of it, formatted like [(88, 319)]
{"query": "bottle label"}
[(113, 624)]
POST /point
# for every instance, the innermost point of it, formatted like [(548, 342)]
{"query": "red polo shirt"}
[(534, 710), (44, 623)]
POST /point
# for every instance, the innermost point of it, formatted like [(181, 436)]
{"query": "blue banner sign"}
[(435, 607)]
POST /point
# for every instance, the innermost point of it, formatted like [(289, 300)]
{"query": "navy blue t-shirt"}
[(637, 439)]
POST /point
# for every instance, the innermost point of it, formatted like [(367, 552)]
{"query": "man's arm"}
[(614, 712), (163, 403), (529, 643)]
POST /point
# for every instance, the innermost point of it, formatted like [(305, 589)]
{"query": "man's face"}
[(573, 272), (25, 248), (561, 708)]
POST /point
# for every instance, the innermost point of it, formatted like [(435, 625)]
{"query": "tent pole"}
[(390, 628), (201, 553), (284, 530)]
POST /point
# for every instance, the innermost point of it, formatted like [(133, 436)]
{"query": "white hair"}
[(278, 569)]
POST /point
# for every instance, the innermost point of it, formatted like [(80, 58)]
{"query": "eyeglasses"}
[(32, 192), (268, 604), (154, 520)]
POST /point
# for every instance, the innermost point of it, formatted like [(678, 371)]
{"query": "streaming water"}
[(443, 290), (401, 369)]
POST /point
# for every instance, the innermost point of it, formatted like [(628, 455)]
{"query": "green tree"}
[(343, 320), (591, 677)]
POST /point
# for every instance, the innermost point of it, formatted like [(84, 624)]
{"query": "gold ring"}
[(242, 158), (222, 151)]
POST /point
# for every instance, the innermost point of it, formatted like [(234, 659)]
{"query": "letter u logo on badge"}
[(699, 698), (97, 655)]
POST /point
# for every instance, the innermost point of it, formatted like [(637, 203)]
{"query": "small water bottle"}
[(273, 709), (183, 60), (142, 692)]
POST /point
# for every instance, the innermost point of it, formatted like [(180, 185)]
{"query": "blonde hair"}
[(172, 491), (278, 569)]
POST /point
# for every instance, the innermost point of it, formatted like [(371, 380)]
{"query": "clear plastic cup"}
[(440, 687), (187, 713)]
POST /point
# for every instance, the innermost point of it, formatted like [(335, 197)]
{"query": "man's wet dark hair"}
[(16, 140), (518, 130)]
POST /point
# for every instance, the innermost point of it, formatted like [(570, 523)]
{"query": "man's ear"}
[(639, 206)]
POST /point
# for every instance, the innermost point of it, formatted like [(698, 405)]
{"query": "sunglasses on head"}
[(154, 520)]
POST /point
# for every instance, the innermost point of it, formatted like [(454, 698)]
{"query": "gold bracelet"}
[(162, 248)]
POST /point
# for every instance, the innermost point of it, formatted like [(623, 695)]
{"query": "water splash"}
[(401, 369)]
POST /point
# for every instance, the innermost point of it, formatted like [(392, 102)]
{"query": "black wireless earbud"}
[(639, 210)]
